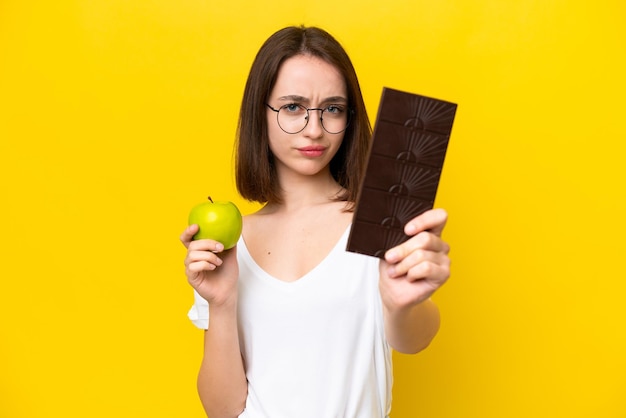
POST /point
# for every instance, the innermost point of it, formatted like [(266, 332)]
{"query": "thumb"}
[(187, 236)]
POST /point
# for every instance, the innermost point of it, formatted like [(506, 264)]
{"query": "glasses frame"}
[(348, 116)]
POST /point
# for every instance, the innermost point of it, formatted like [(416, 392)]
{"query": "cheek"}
[(276, 138), (273, 131), (336, 144)]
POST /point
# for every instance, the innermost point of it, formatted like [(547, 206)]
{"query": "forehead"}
[(310, 77)]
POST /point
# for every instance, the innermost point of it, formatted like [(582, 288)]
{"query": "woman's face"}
[(308, 82)]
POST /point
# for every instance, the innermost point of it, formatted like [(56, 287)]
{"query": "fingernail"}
[(410, 229), (391, 256), (219, 247), (391, 271)]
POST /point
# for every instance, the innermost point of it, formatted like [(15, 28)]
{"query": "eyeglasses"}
[(293, 118)]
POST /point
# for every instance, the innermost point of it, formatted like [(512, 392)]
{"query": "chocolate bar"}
[(409, 145)]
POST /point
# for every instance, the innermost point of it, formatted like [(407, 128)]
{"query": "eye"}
[(294, 108), (334, 110)]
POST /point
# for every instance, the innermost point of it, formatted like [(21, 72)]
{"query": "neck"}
[(300, 192)]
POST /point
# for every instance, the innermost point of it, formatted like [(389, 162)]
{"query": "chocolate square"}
[(410, 145), (402, 178), (408, 149)]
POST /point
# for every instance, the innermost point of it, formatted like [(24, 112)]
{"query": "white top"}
[(313, 348)]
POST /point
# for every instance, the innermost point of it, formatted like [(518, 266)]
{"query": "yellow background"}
[(117, 116)]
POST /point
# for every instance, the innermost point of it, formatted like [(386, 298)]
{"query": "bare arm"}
[(409, 275), (222, 382), (411, 330), (213, 273)]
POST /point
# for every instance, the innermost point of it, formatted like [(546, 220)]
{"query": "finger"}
[(422, 241), (205, 245), (195, 268), (416, 265), (202, 256), (433, 220), (187, 236), (434, 273)]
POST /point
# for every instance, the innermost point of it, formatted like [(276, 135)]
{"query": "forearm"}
[(410, 330), (222, 382)]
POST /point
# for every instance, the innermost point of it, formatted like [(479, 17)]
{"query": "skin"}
[(289, 239)]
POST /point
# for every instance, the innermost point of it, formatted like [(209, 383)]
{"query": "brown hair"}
[(256, 176)]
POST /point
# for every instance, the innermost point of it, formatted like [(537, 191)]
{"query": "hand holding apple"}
[(219, 221)]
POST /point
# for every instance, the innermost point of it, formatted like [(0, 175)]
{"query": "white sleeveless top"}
[(316, 347)]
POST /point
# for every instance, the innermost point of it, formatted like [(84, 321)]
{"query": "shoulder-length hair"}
[(255, 172)]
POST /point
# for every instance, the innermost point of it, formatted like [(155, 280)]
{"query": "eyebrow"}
[(296, 98)]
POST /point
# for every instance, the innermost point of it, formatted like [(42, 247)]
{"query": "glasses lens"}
[(293, 118), (335, 119)]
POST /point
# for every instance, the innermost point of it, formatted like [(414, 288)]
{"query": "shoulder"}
[(253, 221)]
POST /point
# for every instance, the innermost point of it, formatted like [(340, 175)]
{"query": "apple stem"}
[(210, 199)]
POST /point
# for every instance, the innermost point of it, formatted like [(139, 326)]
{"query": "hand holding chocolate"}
[(410, 141)]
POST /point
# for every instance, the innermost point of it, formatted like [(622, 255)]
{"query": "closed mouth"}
[(312, 148)]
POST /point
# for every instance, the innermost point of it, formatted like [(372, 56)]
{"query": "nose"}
[(314, 126)]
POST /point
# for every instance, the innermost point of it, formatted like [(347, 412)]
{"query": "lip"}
[(312, 150)]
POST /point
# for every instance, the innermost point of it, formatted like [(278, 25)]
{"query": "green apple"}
[(219, 221)]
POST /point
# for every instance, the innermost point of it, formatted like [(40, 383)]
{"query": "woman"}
[(298, 326)]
